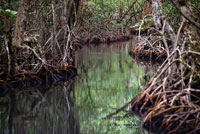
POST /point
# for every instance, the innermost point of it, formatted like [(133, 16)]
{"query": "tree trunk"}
[(8, 40), (73, 7), (20, 27), (157, 13)]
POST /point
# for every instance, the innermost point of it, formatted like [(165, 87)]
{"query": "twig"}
[(127, 11), (118, 110), (178, 33)]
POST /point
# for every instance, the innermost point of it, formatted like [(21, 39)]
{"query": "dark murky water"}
[(107, 79), (43, 110)]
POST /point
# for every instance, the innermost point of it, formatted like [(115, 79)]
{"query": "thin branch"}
[(128, 10), (178, 33), (187, 17)]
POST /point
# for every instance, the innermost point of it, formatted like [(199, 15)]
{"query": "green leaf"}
[(11, 11)]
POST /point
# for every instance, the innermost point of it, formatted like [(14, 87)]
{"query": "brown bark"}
[(73, 7), (79, 10), (21, 22), (157, 13), (147, 9), (120, 9), (8, 40), (185, 12)]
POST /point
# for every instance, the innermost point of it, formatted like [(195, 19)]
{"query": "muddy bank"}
[(95, 40), (29, 80), (147, 56), (147, 53)]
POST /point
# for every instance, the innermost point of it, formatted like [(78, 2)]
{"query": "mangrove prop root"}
[(29, 79), (170, 103), (128, 34), (145, 52)]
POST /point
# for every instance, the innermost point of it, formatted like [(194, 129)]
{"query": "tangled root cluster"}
[(170, 102), (148, 52)]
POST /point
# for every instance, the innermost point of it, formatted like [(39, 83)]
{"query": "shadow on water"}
[(107, 79), (44, 110)]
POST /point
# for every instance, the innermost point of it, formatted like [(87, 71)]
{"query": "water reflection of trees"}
[(106, 80), (44, 110), (103, 63)]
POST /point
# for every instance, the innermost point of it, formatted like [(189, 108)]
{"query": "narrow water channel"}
[(107, 79)]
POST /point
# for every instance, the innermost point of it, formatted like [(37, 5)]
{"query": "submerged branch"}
[(118, 110)]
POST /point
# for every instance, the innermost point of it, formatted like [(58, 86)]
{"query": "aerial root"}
[(170, 102)]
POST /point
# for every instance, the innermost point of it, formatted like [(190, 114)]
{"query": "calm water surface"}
[(107, 79)]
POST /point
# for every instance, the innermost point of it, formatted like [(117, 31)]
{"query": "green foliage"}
[(195, 3), (105, 10), (8, 17), (169, 7), (8, 11), (171, 12)]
